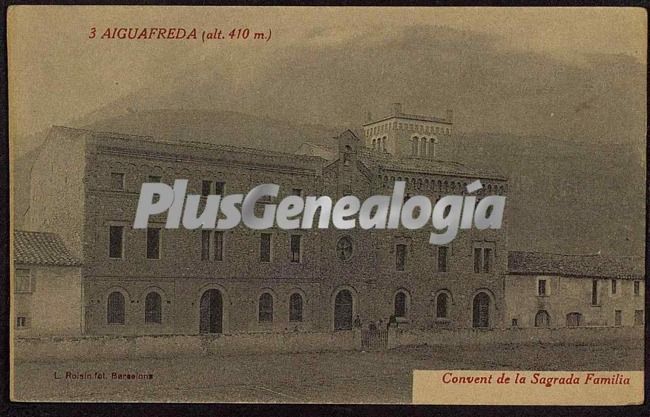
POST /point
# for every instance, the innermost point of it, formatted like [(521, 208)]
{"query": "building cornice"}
[(415, 117)]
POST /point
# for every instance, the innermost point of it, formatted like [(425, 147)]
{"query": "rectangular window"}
[(117, 181), (218, 246), (400, 257), (295, 248), (21, 322), (154, 178), (541, 288), (153, 243), (23, 281), (638, 317), (442, 258), (618, 317), (265, 247), (219, 187), (614, 285), (297, 191), (637, 287), (478, 259), (116, 242), (594, 292), (487, 259), (205, 245), (205, 187)]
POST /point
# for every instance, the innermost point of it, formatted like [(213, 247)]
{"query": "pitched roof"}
[(410, 117), (40, 248), (595, 266), (423, 165)]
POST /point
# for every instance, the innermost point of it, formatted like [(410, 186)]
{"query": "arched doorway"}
[(481, 311), (211, 312), (343, 310)]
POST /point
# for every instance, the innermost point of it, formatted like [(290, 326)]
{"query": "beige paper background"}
[(51, 62), (429, 388)]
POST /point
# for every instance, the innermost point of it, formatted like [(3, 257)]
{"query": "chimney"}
[(397, 108), (450, 115)]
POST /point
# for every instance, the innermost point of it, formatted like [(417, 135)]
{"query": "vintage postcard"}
[(327, 205)]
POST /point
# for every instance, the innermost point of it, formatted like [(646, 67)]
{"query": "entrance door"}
[(481, 311), (343, 310), (211, 312)]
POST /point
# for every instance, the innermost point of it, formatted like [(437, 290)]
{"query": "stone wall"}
[(562, 335), (129, 347)]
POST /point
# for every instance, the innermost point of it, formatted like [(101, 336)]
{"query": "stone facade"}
[(86, 186), (548, 290)]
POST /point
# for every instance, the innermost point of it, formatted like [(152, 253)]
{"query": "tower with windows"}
[(408, 135)]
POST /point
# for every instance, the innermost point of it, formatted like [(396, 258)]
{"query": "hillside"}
[(566, 196)]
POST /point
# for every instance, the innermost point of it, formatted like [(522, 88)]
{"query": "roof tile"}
[(40, 248), (596, 266)]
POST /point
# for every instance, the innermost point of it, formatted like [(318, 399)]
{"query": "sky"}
[(57, 74)]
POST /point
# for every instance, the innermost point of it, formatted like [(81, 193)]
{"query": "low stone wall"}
[(52, 349), (563, 335)]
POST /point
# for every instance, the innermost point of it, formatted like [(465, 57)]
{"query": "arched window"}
[(442, 305), (542, 319), (383, 144), (153, 308), (266, 308), (374, 144), (432, 147), (423, 147), (573, 319), (295, 307), (115, 308), (414, 146), (400, 304)]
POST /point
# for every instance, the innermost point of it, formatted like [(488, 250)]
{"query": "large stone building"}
[(85, 187)]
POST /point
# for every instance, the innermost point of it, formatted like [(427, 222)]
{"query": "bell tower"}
[(408, 135)]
